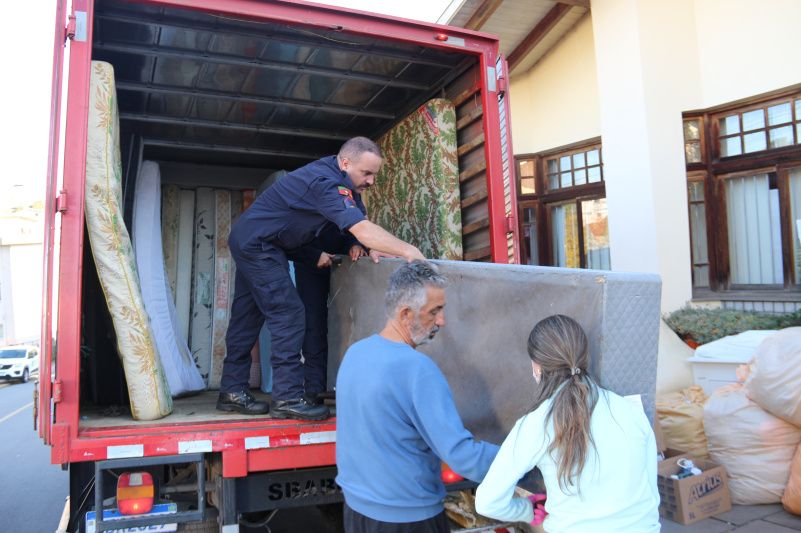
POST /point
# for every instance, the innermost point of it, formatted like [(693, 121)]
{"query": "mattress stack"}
[(200, 270)]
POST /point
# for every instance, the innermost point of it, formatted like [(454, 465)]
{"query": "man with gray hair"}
[(396, 419)]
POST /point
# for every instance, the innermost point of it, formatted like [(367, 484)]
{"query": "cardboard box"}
[(693, 498)]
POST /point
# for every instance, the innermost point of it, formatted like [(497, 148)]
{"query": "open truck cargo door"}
[(44, 391), (64, 230), (508, 156)]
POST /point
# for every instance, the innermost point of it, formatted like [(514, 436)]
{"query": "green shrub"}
[(707, 325)]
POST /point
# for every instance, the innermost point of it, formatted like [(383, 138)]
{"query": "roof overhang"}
[(528, 29)]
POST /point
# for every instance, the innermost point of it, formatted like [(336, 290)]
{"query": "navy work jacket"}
[(291, 213)]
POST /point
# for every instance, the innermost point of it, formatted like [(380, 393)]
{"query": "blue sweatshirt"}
[(395, 420)]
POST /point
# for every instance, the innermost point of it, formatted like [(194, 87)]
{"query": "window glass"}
[(596, 234), (795, 220), (530, 235), (553, 166), (730, 146), (782, 136), (698, 242), (692, 152), (564, 163), (699, 245), (754, 142), (692, 130), (580, 176), (527, 168), (527, 186), (755, 251), (564, 235), (578, 160), (780, 114), (593, 157), (729, 125), (594, 174), (696, 191), (753, 120), (527, 180), (565, 180)]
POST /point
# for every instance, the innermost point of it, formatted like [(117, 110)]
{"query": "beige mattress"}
[(113, 255)]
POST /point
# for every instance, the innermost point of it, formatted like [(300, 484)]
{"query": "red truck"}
[(321, 74)]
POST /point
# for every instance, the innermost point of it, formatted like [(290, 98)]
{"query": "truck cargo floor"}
[(195, 409)]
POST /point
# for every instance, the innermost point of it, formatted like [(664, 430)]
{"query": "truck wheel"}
[(25, 376)]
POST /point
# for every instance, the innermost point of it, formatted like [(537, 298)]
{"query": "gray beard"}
[(424, 337)]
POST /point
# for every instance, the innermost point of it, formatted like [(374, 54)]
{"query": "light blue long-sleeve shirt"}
[(395, 421), (618, 489)]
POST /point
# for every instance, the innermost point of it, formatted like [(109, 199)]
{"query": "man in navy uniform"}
[(282, 222)]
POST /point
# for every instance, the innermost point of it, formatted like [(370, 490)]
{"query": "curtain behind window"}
[(795, 209), (755, 252)]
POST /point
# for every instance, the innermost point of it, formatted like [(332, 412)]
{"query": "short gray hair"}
[(408, 284), (355, 147)]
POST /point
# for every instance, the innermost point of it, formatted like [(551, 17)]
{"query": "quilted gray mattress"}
[(489, 313)]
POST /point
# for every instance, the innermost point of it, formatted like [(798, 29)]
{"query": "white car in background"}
[(18, 362)]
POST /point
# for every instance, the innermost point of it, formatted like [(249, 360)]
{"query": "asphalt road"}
[(33, 491)]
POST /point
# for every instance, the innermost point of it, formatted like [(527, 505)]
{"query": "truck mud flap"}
[(295, 488)]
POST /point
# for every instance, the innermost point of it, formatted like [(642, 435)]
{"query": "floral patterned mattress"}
[(113, 255), (416, 194)]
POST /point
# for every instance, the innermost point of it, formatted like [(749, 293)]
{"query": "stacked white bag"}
[(753, 429)]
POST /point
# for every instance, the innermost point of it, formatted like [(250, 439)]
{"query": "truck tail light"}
[(135, 493)]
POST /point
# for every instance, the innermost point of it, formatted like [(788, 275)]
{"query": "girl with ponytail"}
[(596, 450)]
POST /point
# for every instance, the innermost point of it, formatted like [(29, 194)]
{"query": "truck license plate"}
[(112, 514)]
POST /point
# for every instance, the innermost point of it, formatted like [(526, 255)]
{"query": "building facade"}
[(659, 137)]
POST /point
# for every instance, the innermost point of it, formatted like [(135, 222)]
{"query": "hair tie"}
[(575, 371)]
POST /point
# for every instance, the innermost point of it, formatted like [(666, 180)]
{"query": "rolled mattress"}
[(113, 254), (182, 374)]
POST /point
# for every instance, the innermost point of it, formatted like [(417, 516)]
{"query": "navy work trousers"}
[(313, 285), (297, 319), (264, 292)]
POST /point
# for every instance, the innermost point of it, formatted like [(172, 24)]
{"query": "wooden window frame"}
[(545, 197), (714, 170)]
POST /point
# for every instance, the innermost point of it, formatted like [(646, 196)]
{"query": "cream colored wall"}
[(627, 73), (746, 48), (556, 102)]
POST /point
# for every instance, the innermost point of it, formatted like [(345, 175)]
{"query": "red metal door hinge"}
[(61, 202), (502, 86), (69, 31), (511, 224), (57, 391)]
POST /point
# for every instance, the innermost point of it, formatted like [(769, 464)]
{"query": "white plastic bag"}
[(681, 416), (775, 379), (754, 446)]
